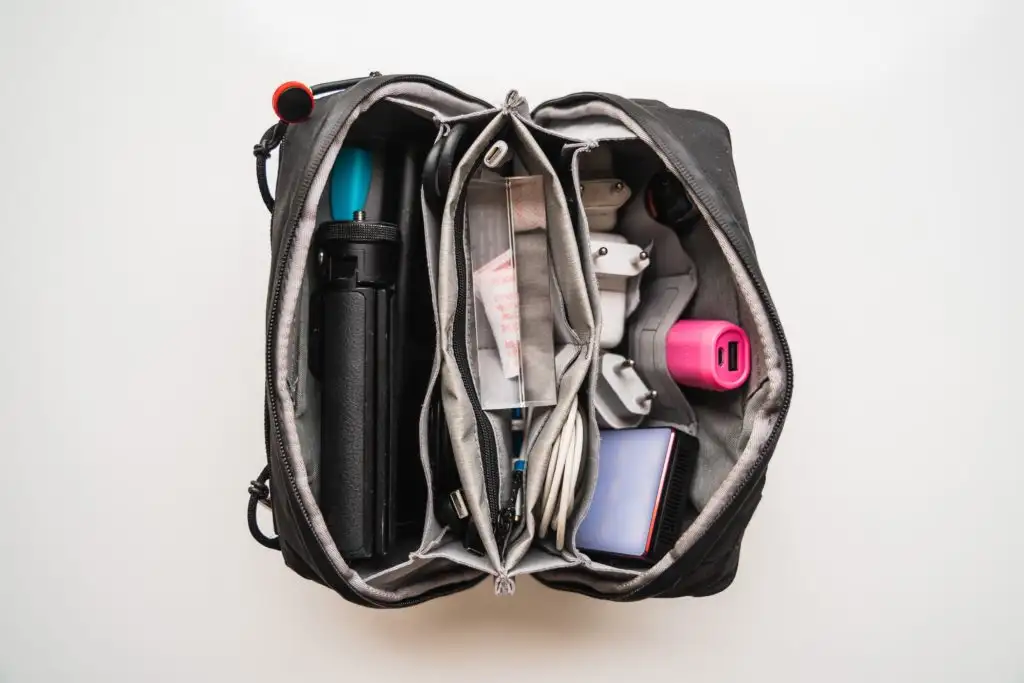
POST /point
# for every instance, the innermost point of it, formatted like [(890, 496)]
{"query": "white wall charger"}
[(616, 262), (621, 399)]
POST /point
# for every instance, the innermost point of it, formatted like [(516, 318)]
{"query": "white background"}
[(879, 150)]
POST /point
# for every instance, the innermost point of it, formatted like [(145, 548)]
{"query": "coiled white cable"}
[(561, 475)]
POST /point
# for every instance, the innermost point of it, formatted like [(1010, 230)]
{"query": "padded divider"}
[(568, 269), (592, 448), (565, 256), (459, 412)]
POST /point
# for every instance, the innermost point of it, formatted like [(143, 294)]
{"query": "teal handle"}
[(350, 182)]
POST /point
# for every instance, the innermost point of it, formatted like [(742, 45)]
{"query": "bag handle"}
[(275, 135)]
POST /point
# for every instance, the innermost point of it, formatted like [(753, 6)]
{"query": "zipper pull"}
[(512, 513), (503, 525), (504, 586)]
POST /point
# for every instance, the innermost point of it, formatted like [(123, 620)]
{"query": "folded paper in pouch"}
[(507, 221)]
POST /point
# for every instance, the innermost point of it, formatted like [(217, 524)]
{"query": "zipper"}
[(500, 518), (284, 256)]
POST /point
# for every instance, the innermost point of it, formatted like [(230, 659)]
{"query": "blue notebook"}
[(632, 473)]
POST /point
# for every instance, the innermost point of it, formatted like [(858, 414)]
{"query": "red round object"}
[(293, 102)]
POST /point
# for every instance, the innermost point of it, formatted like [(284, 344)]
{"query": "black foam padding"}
[(294, 105)]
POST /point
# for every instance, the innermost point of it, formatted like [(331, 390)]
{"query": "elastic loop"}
[(259, 492), (261, 150)]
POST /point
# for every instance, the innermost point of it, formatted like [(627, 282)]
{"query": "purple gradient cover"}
[(632, 470)]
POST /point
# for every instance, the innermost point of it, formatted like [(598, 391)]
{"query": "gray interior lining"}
[(762, 407), (538, 560), (457, 553), (440, 569), (564, 250), (297, 370), (582, 122), (305, 389), (592, 448), (443, 554), (442, 105), (431, 102), (564, 334)]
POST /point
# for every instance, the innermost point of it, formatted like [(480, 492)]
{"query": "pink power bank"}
[(708, 354)]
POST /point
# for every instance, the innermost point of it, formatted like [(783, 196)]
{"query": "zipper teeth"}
[(485, 433), (282, 261)]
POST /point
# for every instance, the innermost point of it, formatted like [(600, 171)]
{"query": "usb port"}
[(734, 356)]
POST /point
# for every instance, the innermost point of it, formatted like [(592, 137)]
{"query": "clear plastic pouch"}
[(507, 228)]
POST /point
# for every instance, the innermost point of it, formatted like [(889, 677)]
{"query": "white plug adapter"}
[(616, 261)]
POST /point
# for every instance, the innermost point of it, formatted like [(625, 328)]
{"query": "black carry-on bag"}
[(505, 342)]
